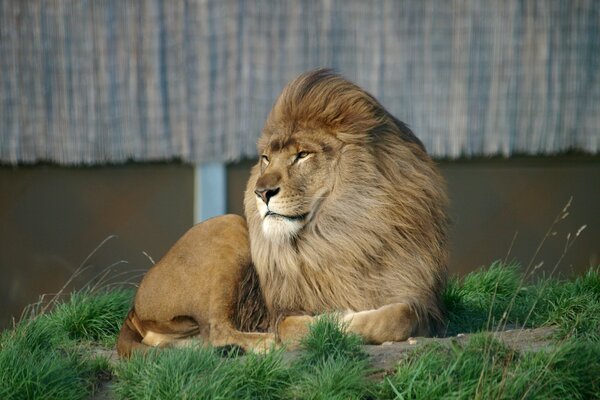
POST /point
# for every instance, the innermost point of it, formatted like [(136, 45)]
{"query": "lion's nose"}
[(266, 193)]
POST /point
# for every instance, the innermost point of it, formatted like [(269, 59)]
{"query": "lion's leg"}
[(390, 323), (224, 335), (220, 336), (249, 341)]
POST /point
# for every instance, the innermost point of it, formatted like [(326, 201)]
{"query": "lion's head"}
[(295, 176), (345, 208)]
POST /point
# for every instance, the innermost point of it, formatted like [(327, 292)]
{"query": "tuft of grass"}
[(573, 307), (38, 361), (497, 296), (201, 373), (327, 339), (571, 370), (485, 368), (258, 376), (331, 378), (40, 358), (479, 301), (37, 334), (94, 317), (168, 374), (333, 364)]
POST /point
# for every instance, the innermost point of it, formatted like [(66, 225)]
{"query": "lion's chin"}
[(279, 229)]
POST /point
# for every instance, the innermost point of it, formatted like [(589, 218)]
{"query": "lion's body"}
[(368, 207), (346, 212), (205, 288)]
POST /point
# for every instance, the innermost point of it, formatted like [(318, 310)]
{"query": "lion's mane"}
[(380, 237)]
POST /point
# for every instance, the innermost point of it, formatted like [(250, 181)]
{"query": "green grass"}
[(202, 373), (480, 299), (96, 318), (334, 370), (52, 355), (486, 369), (38, 360), (332, 365), (43, 357), (496, 297), (328, 342), (331, 379)]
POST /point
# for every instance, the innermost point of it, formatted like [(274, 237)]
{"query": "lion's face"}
[(295, 175)]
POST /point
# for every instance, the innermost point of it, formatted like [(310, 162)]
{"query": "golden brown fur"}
[(346, 212), (204, 287), (356, 217)]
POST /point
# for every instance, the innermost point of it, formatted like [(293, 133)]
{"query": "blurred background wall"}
[(111, 111)]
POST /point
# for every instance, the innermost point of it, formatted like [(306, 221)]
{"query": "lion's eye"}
[(265, 159), (301, 155)]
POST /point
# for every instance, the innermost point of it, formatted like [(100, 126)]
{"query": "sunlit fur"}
[(375, 226), (204, 289), (277, 229)]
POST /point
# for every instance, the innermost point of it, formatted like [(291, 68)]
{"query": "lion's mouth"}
[(288, 217)]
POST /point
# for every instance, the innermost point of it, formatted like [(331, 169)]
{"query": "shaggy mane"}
[(380, 236), (323, 99)]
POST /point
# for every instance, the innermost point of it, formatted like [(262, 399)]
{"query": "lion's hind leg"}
[(141, 335), (177, 332), (223, 335), (220, 337)]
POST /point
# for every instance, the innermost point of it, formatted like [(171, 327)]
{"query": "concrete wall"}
[(52, 218), (494, 200)]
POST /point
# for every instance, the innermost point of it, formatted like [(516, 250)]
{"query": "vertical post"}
[(210, 187)]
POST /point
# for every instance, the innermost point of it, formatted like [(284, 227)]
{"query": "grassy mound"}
[(51, 355), (497, 297), (332, 366), (45, 357), (486, 369)]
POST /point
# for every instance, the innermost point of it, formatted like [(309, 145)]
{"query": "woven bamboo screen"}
[(113, 80)]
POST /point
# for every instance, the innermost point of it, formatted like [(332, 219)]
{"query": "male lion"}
[(346, 213)]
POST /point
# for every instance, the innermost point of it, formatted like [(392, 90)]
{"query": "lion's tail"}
[(130, 336), (141, 335)]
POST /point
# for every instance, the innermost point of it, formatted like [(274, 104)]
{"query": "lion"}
[(347, 214), (204, 290)]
